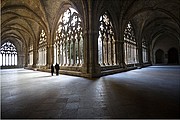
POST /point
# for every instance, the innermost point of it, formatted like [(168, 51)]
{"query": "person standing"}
[(57, 69), (52, 69)]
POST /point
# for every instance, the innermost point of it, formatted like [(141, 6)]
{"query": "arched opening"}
[(159, 56), (68, 44), (8, 55), (130, 45), (173, 56), (106, 41)]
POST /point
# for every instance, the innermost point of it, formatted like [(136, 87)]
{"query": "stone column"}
[(74, 52), (121, 53), (94, 67), (35, 58), (85, 52)]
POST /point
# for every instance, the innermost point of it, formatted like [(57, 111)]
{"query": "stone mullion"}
[(59, 52), (65, 52), (112, 53), (69, 52), (14, 59), (11, 59), (39, 55), (8, 59), (2, 58), (109, 52), (74, 52), (5, 59), (128, 53), (56, 52), (57, 57), (62, 53), (102, 50), (79, 52), (44, 56), (107, 59), (133, 52)]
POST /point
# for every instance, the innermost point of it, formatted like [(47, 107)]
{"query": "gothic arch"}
[(106, 41), (68, 42), (159, 55), (130, 45)]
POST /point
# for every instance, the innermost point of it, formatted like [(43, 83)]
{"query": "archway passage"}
[(173, 56), (159, 56)]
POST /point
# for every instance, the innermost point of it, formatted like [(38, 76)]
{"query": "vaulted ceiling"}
[(22, 19)]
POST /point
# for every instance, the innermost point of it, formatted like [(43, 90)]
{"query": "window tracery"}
[(8, 55), (130, 45), (42, 51), (106, 41), (68, 45)]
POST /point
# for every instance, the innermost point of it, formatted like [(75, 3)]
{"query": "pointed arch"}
[(159, 56), (68, 43), (130, 45), (106, 41), (8, 54), (42, 48)]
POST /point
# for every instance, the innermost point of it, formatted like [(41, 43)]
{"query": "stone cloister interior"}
[(90, 39)]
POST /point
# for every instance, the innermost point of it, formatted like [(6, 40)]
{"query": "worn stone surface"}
[(151, 92)]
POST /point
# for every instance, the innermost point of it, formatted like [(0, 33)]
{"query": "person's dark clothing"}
[(57, 69), (52, 70)]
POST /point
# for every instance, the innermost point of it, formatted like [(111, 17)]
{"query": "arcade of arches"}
[(89, 38)]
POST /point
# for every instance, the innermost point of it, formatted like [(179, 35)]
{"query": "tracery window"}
[(144, 51), (8, 55), (106, 41), (130, 45), (68, 45), (42, 51)]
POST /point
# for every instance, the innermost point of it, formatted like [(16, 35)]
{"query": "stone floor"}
[(151, 92)]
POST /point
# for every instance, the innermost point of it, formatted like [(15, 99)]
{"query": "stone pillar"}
[(85, 52), (34, 57), (20, 58), (121, 51), (49, 56), (140, 53), (94, 67), (149, 54)]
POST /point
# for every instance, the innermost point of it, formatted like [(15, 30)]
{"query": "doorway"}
[(173, 56), (159, 56)]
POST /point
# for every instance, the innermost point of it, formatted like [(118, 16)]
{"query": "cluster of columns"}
[(68, 53), (131, 53)]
